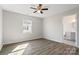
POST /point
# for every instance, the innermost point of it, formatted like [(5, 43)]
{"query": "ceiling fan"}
[(39, 8)]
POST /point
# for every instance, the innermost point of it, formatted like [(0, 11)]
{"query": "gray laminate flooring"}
[(37, 47)]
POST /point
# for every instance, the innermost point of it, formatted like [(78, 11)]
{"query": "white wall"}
[(53, 28), (0, 28), (13, 27)]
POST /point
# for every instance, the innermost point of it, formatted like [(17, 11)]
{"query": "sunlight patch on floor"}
[(19, 49)]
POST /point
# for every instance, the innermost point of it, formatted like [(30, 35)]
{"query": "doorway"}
[(69, 30)]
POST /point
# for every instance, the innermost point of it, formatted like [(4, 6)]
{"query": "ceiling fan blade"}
[(41, 12), (34, 11), (45, 9), (32, 8)]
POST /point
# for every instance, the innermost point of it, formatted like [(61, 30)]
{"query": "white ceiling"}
[(25, 9)]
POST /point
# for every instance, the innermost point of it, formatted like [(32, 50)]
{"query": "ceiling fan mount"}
[(39, 8)]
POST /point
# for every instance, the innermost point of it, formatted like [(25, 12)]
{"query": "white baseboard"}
[(54, 40)]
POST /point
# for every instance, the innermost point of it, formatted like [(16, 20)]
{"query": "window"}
[(27, 26)]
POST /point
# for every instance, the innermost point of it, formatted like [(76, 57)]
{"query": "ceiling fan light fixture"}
[(38, 11)]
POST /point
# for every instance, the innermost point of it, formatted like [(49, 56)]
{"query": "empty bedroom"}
[(39, 29)]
